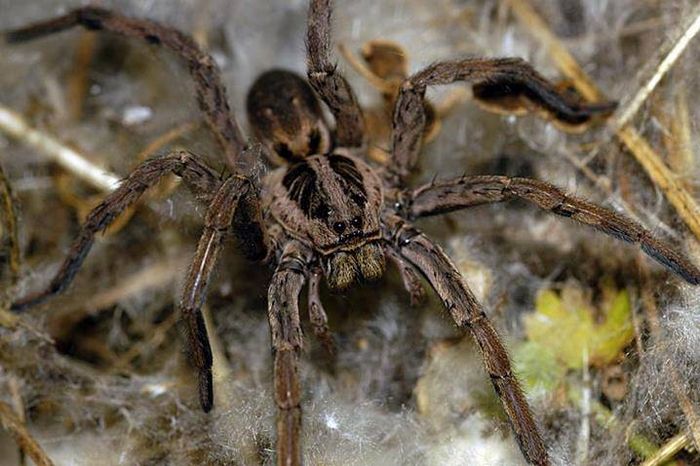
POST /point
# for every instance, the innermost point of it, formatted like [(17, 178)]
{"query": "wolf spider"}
[(324, 211)]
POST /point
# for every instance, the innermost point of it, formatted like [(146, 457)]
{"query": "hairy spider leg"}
[(328, 82), (317, 314), (198, 177), (218, 222), (211, 93), (458, 299), (512, 76), (459, 193), (287, 342), (409, 276)]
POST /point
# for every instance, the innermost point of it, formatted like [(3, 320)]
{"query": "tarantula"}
[(325, 212)]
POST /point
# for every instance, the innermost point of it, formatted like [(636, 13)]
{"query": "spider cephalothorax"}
[(331, 203), (327, 199), (326, 211)]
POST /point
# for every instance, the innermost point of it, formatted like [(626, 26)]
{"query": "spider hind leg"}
[(510, 81)]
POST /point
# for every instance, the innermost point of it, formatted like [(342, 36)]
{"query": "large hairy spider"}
[(325, 211)]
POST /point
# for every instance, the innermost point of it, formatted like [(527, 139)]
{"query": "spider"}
[(325, 212)]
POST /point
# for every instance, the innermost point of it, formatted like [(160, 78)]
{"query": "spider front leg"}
[(287, 341), (328, 82), (317, 314), (201, 180), (233, 194), (211, 93), (410, 278), (459, 193), (504, 78), (443, 276)]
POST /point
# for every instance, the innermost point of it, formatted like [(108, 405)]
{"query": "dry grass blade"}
[(24, 440), (668, 450), (657, 170), (656, 69), (15, 126), (10, 239), (678, 140), (10, 249), (149, 278)]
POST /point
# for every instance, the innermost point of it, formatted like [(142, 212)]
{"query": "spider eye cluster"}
[(332, 202)]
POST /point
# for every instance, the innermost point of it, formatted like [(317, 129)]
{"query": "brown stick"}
[(23, 438)]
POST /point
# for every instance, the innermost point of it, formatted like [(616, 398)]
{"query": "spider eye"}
[(339, 227), (356, 222), (358, 199)]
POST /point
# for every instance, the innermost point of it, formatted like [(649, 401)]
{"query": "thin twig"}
[(584, 434), (18, 406), (152, 277), (677, 134), (78, 79), (24, 440), (9, 229), (656, 69), (658, 172), (157, 336), (15, 126), (668, 450)]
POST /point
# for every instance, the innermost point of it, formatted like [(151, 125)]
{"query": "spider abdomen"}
[(286, 116)]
